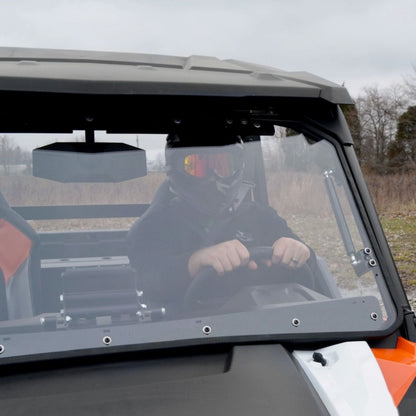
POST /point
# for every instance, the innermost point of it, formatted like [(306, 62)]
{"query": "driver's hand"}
[(223, 257), (289, 252)]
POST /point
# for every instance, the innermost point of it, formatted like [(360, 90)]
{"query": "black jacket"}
[(161, 242)]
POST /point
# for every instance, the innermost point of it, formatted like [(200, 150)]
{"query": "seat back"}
[(19, 262), (161, 196)]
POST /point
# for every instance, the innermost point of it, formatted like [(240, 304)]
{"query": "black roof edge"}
[(98, 72)]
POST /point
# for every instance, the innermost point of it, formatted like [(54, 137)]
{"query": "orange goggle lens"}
[(201, 166)]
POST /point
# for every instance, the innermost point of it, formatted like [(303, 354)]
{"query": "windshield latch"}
[(319, 358)]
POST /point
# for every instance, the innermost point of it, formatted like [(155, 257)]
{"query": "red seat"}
[(19, 262)]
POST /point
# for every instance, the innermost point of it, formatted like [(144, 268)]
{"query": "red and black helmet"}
[(205, 170)]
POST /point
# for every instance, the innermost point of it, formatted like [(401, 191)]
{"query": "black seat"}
[(19, 264)]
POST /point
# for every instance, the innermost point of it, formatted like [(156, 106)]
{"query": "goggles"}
[(223, 164)]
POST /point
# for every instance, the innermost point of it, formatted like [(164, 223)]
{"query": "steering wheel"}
[(203, 289)]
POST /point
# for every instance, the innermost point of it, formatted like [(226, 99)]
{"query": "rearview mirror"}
[(89, 162)]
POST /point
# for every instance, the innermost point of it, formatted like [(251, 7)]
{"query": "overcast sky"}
[(356, 42)]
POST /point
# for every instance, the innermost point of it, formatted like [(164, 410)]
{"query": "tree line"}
[(12, 155), (383, 126)]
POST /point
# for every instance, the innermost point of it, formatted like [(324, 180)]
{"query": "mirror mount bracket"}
[(90, 136)]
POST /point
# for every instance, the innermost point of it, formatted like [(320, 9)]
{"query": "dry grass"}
[(23, 190), (393, 194), (297, 193)]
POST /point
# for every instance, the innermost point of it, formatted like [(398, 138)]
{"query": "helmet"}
[(206, 173)]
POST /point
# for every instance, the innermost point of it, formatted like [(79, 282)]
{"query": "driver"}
[(205, 222)]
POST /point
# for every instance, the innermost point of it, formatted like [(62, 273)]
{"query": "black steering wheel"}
[(203, 289)]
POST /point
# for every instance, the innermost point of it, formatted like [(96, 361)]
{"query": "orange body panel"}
[(398, 366)]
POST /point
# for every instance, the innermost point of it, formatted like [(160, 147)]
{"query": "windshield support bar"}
[(361, 260), (339, 214)]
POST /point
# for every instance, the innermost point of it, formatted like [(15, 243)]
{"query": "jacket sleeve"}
[(268, 226), (282, 229)]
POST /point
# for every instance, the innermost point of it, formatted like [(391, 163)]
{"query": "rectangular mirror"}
[(89, 162)]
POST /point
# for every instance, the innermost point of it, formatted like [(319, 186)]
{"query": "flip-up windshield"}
[(252, 237)]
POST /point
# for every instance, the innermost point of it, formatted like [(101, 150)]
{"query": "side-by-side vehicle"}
[(109, 303)]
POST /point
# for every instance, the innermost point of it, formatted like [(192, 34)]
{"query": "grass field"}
[(400, 231), (395, 200)]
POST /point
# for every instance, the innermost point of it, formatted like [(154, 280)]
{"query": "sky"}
[(358, 43)]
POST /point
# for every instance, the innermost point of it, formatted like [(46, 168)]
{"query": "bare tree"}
[(378, 112), (11, 154), (410, 85), (406, 137)]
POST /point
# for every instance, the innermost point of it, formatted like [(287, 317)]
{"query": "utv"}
[(93, 325)]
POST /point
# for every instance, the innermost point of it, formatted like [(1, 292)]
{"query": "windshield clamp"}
[(362, 261)]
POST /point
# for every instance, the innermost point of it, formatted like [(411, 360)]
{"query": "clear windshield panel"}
[(261, 238), (308, 187)]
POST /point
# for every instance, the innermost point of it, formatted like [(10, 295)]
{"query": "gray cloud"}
[(358, 42)]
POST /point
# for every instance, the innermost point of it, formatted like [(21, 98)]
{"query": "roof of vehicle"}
[(93, 72)]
